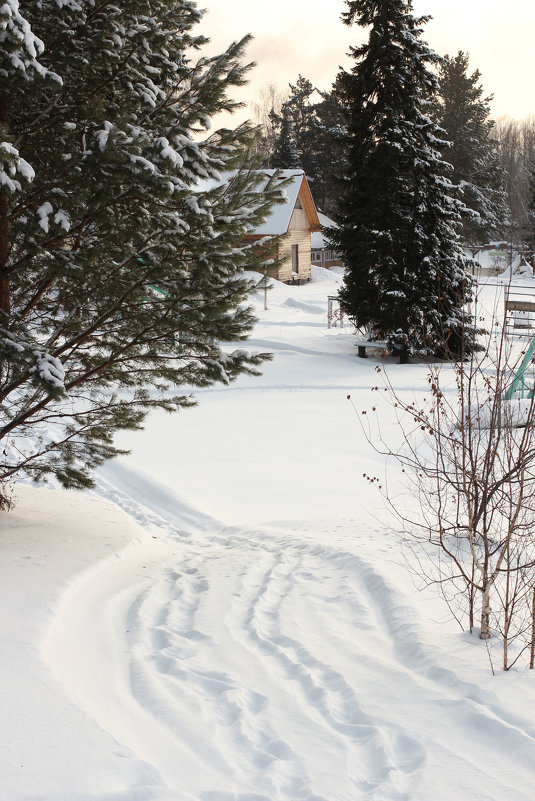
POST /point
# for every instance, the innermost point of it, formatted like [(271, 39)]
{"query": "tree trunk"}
[(4, 254), (471, 599), (507, 616), (485, 614), (5, 299)]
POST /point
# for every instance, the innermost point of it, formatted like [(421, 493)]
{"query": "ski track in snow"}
[(234, 629)]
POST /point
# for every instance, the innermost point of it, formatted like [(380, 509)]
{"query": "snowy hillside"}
[(229, 616)]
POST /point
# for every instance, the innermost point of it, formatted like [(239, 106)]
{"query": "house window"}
[(295, 258), (316, 255)]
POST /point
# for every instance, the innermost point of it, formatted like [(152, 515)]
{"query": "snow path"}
[(226, 650)]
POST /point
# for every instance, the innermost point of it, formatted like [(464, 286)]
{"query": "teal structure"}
[(519, 388)]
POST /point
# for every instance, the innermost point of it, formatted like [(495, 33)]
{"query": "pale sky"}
[(307, 37)]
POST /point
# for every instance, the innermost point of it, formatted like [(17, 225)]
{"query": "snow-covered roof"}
[(318, 241), (278, 221), (281, 214)]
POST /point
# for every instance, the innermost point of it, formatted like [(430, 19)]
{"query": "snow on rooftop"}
[(318, 240), (278, 221)]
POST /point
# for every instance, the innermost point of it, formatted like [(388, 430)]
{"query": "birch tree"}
[(465, 490)]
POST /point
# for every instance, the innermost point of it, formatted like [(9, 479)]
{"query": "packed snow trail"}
[(204, 628), (272, 665)]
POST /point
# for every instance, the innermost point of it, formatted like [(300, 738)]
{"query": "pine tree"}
[(318, 126), (304, 122), (405, 279), (328, 151), (120, 271), (295, 123), (464, 114), (285, 155), (308, 135)]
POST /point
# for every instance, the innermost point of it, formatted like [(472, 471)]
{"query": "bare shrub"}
[(466, 456)]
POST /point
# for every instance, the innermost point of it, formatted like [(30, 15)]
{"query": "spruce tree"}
[(328, 151), (464, 114), (285, 156), (308, 135), (303, 111), (405, 278), (120, 272)]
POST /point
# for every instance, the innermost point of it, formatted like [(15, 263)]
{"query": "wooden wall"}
[(303, 221), (300, 237)]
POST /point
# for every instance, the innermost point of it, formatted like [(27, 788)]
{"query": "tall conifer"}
[(285, 155), (464, 114), (328, 152), (120, 271), (397, 218)]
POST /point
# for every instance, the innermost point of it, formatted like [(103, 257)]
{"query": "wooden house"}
[(297, 219), (322, 254)]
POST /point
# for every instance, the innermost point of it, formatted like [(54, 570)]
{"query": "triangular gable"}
[(307, 203), (296, 188), (279, 219)]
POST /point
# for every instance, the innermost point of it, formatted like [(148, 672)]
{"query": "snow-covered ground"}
[(229, 617)]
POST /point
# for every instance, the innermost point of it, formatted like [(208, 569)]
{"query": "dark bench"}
[(363, 345)]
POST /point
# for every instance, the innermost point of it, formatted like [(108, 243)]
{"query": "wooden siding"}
[(303, 221), (299, 220), (300, 237), (307, 202)]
